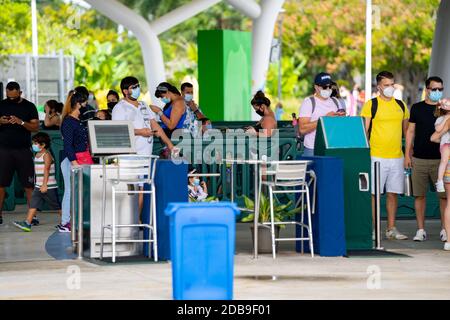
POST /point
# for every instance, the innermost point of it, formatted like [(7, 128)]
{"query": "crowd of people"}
[(387, 119)]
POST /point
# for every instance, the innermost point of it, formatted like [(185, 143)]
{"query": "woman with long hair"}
[(75, 138)]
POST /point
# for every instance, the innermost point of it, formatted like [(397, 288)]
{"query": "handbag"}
[(84, 157)]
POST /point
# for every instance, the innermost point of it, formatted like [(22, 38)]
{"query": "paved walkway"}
[(425, 274)]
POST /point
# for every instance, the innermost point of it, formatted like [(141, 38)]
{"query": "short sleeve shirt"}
[(422, 115), (387, 128), (141, 117), (322, 108), (15, 136)]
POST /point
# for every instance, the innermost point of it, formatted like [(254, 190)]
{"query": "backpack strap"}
[(313, 103), (336, 102), (401, 104), (374, 112)]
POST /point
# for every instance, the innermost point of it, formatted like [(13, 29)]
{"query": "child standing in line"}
[(46, 187), (443, 114)]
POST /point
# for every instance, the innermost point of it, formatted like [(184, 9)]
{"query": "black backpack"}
[(375, 109)]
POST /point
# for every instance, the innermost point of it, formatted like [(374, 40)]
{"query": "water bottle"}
[(408, 183)]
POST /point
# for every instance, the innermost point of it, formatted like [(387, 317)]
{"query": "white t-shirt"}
[(140, 116), (445, 139)]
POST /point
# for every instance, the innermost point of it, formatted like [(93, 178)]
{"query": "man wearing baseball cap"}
[(319, 105)]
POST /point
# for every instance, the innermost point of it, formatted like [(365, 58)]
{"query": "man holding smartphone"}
[(18, 118)]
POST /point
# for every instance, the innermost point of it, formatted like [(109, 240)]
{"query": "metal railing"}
[(76, 215)]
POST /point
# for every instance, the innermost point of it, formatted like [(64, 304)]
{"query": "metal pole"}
[(256, 214), (232, 182), (280, 41), (80, 214), (61, 75), (34, 29), (368, 89), (377, 206), (72, 209)]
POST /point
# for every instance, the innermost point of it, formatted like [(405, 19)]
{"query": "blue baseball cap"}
[(322, 79)]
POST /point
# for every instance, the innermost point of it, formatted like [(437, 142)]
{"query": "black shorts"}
[(50, 197), (16, 160)]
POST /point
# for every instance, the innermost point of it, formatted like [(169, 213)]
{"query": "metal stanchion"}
[(256, 216), (72, 208), (80, 214), (377, 206)]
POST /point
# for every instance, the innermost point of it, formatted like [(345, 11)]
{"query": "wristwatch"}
[(23, 122)]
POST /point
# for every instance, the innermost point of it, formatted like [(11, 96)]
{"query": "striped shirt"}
[(39, 168)]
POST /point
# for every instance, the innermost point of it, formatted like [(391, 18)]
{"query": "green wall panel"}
[(224, 69)]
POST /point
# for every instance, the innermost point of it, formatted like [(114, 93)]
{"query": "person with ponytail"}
[(76, 146), (265, 126), (174, 113)]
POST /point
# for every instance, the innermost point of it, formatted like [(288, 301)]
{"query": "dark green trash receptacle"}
[(345, 137)]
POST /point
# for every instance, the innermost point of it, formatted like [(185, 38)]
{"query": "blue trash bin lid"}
[(173, 207)]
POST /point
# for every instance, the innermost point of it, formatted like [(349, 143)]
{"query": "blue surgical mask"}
[(36, 148), (165, 100), (196, 182), (435, 96), (135, 93), (188, 97)]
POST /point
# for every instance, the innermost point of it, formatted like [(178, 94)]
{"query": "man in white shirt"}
[(142, 117)]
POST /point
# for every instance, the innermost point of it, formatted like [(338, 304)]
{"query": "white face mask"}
[(325, 93), (188, 97), (389, 92)]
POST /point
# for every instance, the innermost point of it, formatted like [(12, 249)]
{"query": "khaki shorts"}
[(424, 174)]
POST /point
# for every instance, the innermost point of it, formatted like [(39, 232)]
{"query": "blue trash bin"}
[(202, 239)]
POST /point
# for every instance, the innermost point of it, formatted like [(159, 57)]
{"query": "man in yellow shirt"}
[(386, 121)]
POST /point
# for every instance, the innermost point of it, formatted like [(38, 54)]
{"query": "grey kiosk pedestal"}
[(106, 138)]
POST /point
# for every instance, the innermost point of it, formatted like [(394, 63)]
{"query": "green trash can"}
[(345, 137)]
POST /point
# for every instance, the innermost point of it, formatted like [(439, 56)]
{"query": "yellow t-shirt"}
[(387, 128)]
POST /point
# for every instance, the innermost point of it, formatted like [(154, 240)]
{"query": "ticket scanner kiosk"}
[(108, 138)]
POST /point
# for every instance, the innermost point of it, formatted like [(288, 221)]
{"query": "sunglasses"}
[(329, 86), (135, 86), (436, 89)]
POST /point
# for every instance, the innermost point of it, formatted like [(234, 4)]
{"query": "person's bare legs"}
[(31, 213), (391, 208), (419, 205), (442, 206), (28, 193)]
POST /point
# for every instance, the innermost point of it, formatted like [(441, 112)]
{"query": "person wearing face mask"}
[(87, 112), (193, 112), (173, 115), (76, 148), (112, 97), (18, 118), (319, 105), (198, 191), (423, 156), (266, 126), (386, 121), (132, 109)]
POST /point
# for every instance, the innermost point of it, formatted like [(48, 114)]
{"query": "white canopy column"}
[(440, 57)]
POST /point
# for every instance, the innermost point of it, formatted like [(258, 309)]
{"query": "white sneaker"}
[(440, 186), (394, 234), (443, 235), (421, 235), (447, 246)]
